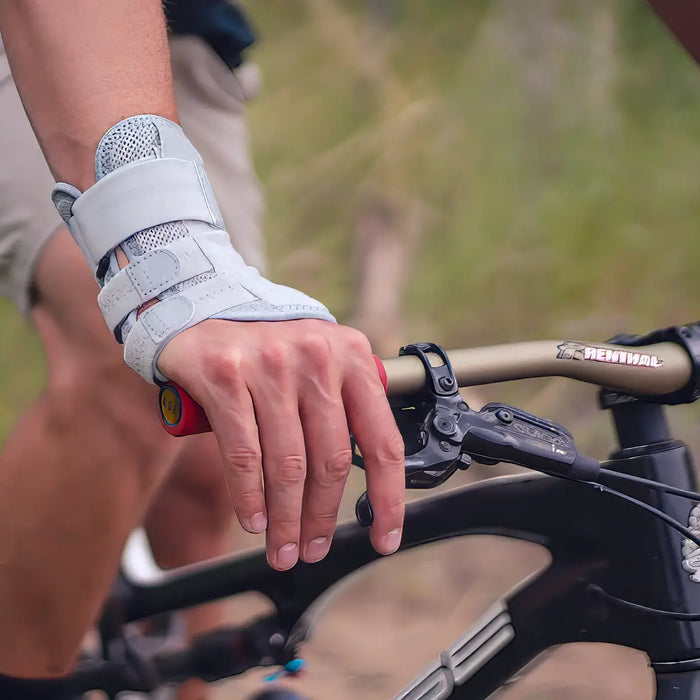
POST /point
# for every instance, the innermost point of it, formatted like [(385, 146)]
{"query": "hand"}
[(281, 398)]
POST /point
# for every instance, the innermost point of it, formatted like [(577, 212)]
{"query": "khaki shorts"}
[(210, 100)]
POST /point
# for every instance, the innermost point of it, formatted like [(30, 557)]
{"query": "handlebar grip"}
[(381, 371), (181, 415)]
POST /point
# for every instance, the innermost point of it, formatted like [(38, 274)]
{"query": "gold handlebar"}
[(645, 370)]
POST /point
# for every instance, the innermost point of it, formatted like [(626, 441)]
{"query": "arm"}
[(81, 66), (279, 395)]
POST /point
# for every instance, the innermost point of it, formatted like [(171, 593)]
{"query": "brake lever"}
[(450, 434), (502, 433), (439, 434)]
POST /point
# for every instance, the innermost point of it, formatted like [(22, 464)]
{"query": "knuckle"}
[(390, 452), (246, 460), (247, 501), (284, 525), (323, 520), (275, 359), (224, 368), (316, 349), (337, 466), (287, 471), (357, 342)]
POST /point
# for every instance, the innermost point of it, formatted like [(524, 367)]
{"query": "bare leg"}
[(76, 476), (90, 386), (190, 520)]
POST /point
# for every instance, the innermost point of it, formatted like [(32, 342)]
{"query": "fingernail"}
[(316, 549), (257, 523), (391, 541), (287, 556)]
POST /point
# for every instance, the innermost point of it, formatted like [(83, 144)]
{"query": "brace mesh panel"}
[(132, 140), (135, 139), (156, 237)]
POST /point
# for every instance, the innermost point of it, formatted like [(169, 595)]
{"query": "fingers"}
[(281, 398), (284, 457), (329, 458), (374, 428), (236, 431)]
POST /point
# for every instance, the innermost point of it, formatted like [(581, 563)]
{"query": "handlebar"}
[(656, 369), (442, 434), (663, 366)]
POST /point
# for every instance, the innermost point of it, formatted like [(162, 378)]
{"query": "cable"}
[(645, 506), (626, 604), (643, 609), (656, 485)]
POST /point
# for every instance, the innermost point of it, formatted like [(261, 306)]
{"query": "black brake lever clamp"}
[(440, 380), (439, 410), (441, 432)]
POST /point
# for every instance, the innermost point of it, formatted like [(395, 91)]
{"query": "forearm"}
[(82, 66)]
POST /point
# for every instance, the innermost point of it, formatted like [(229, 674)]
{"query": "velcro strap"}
[(165, 319), (148, 276), (139, 196)]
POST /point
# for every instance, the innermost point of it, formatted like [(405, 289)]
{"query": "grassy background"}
[(545, 154), (552, 148)]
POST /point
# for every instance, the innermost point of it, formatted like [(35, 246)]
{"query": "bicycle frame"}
[(587, 532), (557, 606)]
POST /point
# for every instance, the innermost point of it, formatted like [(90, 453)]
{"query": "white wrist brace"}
[(152, 198)]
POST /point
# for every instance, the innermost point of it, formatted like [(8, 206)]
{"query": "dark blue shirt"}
[(220, 23)]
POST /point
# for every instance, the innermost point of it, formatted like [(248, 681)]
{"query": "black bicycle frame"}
[(591, 537), (595, 540)]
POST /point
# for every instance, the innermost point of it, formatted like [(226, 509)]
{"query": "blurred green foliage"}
[(553, 147), (547, 150)]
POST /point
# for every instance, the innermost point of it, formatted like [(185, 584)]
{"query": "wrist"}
[(152, 201)]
